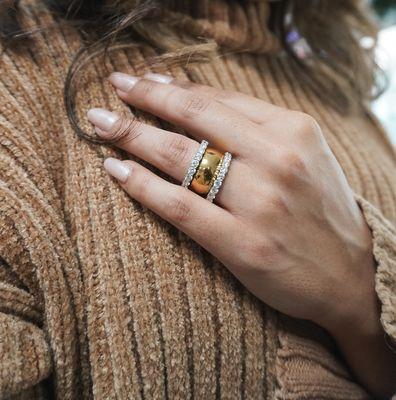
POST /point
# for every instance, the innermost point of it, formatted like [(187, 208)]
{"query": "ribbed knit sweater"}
[(99, 297)]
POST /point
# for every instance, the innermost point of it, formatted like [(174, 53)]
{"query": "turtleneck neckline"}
[(236, 25)]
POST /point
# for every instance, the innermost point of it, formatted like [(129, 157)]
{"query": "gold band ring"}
[(206, 172)]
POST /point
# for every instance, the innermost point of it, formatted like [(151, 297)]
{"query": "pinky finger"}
[(206, 223)]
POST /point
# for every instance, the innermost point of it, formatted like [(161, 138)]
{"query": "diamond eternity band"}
[(224, 165), (195, 163)]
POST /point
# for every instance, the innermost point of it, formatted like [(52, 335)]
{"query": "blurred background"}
[(385, 106)]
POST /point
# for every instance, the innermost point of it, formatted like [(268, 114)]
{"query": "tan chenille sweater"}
[(99, 297)]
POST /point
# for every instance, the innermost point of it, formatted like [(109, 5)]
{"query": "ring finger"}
[(170, 152)]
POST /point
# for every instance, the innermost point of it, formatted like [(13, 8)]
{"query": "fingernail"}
[(158, 77), (118, 169), (102, 118), (123, 82)]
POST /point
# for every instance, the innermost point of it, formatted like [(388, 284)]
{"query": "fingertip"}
[(118, 169), (122, 81), (102, 118)]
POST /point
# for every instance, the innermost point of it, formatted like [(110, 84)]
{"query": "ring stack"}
[(207, 171)]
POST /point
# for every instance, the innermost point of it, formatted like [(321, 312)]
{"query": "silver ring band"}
[(223, 169), (192, 169)]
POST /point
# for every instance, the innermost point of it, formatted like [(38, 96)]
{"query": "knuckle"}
[(291, 167), (277, 205), (307, 126), (175, 151), (144, 87), (185, 84), (192, 104), (221, 95), (142, 182), (179, 208)]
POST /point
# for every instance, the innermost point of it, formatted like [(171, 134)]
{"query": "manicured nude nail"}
[(103, 119), (158, 77), (123, 82), (118, 169)]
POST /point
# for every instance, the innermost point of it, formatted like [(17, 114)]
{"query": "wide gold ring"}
[(206, 172)]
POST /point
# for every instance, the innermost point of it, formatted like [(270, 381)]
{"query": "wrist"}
[(358, 315), (362, 327), (356, 305), (363, 344)]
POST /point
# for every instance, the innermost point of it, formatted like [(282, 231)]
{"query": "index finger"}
[(205, 118), (254, 108)]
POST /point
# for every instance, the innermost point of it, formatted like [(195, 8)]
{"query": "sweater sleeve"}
[(384, 250)]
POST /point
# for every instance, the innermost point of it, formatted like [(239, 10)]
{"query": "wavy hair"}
[(339, 70)]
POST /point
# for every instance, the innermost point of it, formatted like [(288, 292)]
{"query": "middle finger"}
[(223, 127), (170, 152)]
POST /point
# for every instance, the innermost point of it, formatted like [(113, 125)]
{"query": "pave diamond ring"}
[(207, 171), (192, 169), (220, 175)]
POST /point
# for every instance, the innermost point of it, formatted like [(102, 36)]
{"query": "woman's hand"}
[(285, 221)]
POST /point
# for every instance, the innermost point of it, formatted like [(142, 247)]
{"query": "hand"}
[(285, 224), (285, 221)]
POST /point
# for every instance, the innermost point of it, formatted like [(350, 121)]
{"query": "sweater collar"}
[(236, 25)]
